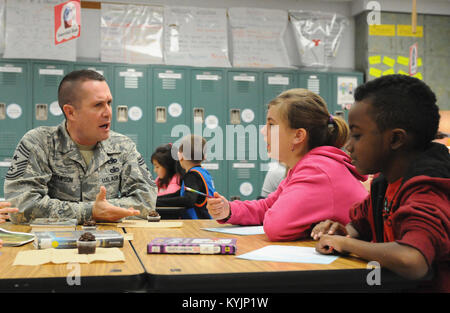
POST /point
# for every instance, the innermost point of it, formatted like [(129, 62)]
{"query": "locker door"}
[(46, 79), (15, 110), (130, 105), (243, 146), (170, 105), (208, 119)]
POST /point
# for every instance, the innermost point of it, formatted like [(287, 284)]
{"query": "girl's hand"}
[(218, 207)]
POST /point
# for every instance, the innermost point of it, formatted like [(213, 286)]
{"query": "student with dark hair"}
[(405, 222), (321, 182), (191, 154), (166, 169)]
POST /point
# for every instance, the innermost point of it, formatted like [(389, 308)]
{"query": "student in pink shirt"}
[(165, 167), (321, 183)]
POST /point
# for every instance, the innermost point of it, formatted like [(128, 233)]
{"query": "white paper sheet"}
[(238, 230), (131, 33), (277, 253), (196, 36), (258, 37), (30, 32)]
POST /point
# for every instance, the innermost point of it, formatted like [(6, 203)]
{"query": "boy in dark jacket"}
[(404, 224)]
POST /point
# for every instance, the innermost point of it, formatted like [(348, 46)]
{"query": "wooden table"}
[(226, 273), (96, 276)]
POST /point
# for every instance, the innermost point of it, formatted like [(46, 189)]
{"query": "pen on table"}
[(198, 192)]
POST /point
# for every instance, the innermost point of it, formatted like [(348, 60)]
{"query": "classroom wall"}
[(344, 58)]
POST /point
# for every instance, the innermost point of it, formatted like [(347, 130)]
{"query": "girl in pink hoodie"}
[(321, 183)]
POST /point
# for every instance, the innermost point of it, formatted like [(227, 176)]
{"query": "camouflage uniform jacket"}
[(49, 178)]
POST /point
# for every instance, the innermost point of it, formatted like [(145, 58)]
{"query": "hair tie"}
[(331, 120), (331, 123)]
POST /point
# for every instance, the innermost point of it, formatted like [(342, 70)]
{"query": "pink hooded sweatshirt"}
[(322, 185)]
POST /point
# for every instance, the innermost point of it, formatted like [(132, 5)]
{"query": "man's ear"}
[(69, 111), (399, 138)]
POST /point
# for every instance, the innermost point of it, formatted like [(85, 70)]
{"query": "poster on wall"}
[(30, 32), (196, 36), (258, 37), (131, 33), (67, 21), (345, 91)]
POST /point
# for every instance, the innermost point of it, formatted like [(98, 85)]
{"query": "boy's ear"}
[(399, 138)]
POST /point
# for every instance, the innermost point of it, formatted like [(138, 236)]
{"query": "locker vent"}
[(206, 86), (243, 86), (9, 140), (8, 79), (50, 81)]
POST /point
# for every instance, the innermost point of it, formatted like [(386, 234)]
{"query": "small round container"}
[(86, 247), (154, 218)]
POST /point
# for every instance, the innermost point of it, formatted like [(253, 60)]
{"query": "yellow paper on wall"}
[(375, 59), (402, 72), (375, 72), (403, 60), (406, 31), (418, 75), (382, 30), (388, 61), (389, 72), (419, 62)]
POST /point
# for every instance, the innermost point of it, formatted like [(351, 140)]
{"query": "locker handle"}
[(161, 115), (199, 115), (2, 111), (41, 111), (122, 113), (235, 116)]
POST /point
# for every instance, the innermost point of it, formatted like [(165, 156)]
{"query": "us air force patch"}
[(19, 162)]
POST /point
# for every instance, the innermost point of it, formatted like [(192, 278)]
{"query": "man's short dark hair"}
[(67, 90), (400, 101)]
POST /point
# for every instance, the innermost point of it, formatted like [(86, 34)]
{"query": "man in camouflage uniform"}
[(67, 171)]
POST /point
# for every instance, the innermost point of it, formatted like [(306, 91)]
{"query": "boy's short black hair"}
[(400, 101)]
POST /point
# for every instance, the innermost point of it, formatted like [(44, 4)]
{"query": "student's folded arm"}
[(359, 225), (401, 259), (138, 190), (26, 187), (305, 201), (251, 212)]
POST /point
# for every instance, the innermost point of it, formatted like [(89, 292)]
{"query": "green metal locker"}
[(274, 83), (209, 119), (46, 79), (242, 135), (317, 82), (169, 105), (342, 88), (131, 112), (15, 111)]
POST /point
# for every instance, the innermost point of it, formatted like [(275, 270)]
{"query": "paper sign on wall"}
[(413, 59), (67, 21)]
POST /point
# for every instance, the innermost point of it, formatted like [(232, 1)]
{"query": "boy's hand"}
[(330, 244), (328, 227), (218, 207)]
